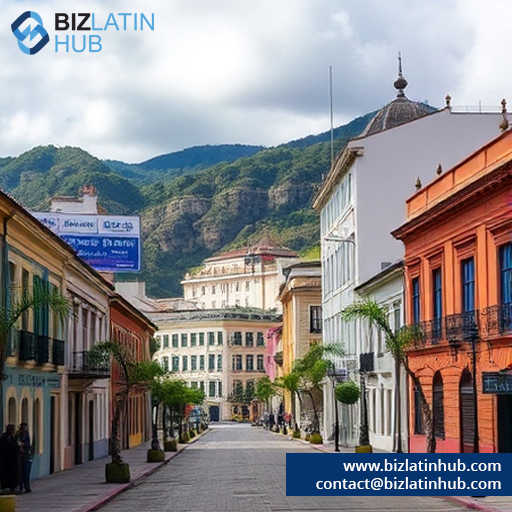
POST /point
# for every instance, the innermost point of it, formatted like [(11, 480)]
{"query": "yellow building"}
[(301, 297)]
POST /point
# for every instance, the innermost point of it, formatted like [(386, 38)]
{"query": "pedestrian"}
[(25, 458), (271, 421), (9, 460)]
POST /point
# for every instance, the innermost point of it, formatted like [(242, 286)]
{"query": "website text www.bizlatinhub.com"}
[(405, 474)]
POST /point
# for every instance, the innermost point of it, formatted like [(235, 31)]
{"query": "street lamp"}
[(335, 377), (336, 238), (471, 335)]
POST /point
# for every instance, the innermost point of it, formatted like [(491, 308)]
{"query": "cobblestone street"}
[(239, 468)]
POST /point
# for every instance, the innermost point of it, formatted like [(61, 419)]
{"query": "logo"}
[(29, 31)]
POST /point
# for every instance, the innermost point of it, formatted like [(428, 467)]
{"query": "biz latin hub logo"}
[(29, 26)]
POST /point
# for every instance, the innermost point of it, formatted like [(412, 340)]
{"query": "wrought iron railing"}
[(497, 320), (58, 352), (27, 347), (42, 349), (87, 364), (367, 362), (459, 326)]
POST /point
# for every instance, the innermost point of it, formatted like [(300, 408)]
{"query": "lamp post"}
[(334, 377), (471, 335)]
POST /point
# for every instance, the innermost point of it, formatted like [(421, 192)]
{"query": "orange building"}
[(458, 243), (130, 327)]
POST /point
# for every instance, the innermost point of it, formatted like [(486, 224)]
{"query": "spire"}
[(400, 83)]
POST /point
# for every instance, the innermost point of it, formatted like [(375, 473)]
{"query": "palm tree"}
[(41, 298), (132, 373), (291, 383), (397, 342)]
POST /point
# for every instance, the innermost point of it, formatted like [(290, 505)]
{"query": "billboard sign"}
[(109, 243)]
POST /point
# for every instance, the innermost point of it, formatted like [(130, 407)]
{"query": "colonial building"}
[(458, 266), (219, 351), (245, 277), (361, 201), (301, 296), (383, 380)]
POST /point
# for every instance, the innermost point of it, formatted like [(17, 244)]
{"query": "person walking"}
[(25, 457), (9, 460)]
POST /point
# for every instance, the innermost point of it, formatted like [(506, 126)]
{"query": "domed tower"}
[(401, 110)]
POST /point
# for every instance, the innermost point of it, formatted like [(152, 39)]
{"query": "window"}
[(175, 363), (211, 362), (193, 339), (437, 304), (238, 387), (260, 365), (219, 362), (165, 363), (211, 338), (237, 338), (201, 385), (419, 427), (184, 363), (260, 340), (201, 339), (211, 389), (237, 286), (315, 319), (184, 339), (249, 363), (247, 285), (249, 339), (219, 338), (213, 289), (237, 362), (438, 405), (416, 315), (220, 389), (165, 338), (506, 274), (203, 290), (397, 317), (193, 385), (201, 363), (193, 363), (175, 341), (249, 389)]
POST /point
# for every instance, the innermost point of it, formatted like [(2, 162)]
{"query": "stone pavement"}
[(83, 488)]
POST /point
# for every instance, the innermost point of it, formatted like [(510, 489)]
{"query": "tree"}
[(312, 369), (131, 373), (41, 299), (265, 390), (291, 383), (397, 342)]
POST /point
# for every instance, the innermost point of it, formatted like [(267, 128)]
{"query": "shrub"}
[(296, 434), (184, 437), (316, 439), (347, 392)]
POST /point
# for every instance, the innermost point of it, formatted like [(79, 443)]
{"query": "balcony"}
[(279, 358), (366, 362), (58, 352), (27, 346), (42, 349), (451, 329), (497, 320), (85, 365)]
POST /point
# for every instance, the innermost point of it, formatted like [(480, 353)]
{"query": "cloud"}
[(227, 71)]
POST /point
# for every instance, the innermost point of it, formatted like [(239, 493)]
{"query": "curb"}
[(101, 502), (471, 504)]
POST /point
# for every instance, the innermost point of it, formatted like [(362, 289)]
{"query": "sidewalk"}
[(487, 504), (83, 488)]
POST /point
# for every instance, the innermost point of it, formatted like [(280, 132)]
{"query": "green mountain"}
[(195, 209), (188, 161)]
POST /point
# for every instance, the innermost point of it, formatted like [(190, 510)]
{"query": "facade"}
[(384, 382), (301, 296), (458, 271), (130, 327), (357, 217), (245, 278), (219, 351)]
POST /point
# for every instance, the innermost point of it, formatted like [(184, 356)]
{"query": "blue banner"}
[(393, 474), (107, 253)]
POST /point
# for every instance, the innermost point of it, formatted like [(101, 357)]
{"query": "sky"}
[(239, 71)]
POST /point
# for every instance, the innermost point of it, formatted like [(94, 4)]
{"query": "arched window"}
[(438, 405), (12, 417), (24, 410)]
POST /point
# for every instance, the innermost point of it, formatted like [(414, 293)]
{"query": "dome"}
[(401, 110)]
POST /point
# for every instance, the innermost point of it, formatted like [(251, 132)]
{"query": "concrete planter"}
[(365, 448), (117, 473), (156, 456), (171, 446), (7, 503)]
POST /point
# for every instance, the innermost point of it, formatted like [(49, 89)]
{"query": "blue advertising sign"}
[(109, 243), (107, 253)]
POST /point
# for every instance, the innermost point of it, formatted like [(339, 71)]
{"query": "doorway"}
[(505, 423), (91, 430), (467, 413), (214, 412), (78, 428)]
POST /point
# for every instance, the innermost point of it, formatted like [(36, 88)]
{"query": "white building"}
[(219, 351), (246, 277), (362, 200)]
